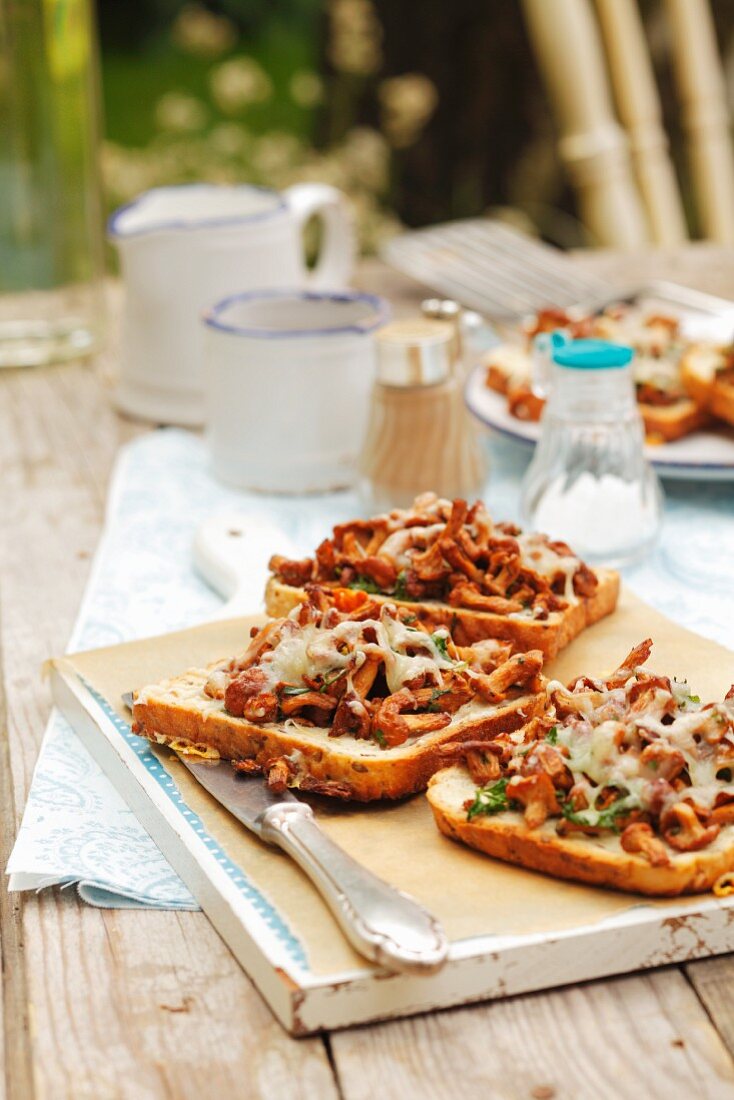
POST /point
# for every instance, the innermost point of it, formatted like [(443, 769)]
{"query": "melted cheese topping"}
[(661, 373), (314, 650), (513, 361), (535, 553), (598, 739)]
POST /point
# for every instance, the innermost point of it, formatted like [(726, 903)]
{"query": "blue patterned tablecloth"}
[(76, 828)]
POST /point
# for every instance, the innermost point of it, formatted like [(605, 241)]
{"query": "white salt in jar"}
[(589, 482)]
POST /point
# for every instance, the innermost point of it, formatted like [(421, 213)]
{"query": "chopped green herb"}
[(380, 738), (695, 698), (332, 680), (491, 799), (409, 620), (291, 689), (552, 735), (399, 591), (598, 819), (436, 694), (364, 584), (441, 643)]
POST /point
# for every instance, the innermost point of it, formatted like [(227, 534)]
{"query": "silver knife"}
[(383, 924)]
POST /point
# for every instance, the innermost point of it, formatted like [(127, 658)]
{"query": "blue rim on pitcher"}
[(381, 315), (194, 223)]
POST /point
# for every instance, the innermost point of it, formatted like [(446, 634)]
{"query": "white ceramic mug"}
[(182, 248), (289, 375)]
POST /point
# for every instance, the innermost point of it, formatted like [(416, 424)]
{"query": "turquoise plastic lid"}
[(549, 341), (592, 355)]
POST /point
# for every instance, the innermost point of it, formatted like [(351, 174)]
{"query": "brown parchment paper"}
[(471, 894)]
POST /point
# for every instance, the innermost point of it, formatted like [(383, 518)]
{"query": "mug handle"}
[(336, 260)]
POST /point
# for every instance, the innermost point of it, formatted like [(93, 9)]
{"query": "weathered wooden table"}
[(100, 1004)]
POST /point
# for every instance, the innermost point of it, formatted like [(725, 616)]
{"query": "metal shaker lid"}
[(442, 309), (416, 352)]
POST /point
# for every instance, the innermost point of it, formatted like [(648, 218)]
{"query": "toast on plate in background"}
[(668, 408), (708, 375)]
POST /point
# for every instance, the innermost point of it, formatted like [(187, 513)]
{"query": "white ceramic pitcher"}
[(182, 248)]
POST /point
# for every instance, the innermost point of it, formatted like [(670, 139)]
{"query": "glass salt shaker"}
[(543, 349), (589, 482)]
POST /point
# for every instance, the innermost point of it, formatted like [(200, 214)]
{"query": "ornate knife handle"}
[(382, 923)]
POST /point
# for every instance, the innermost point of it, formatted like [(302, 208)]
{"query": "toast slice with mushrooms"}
[(670, 409), (624, 782), (708, 375), (452, 566), (357, 708)]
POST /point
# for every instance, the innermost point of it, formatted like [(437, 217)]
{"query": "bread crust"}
[(468, 626), (505, 836), (722, 402), (177, 710), (698, 371), (669, 422)]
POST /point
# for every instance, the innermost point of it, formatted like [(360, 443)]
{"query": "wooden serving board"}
[(511, 930)]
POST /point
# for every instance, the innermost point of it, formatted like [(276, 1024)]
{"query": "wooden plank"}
[(15, 1062), (128, 1003), (713, 981), (142, 1004), (626, 1038)]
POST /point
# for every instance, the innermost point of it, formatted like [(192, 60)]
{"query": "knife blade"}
[(382, 923)]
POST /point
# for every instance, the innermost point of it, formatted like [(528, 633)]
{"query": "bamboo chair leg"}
[(705, 115), (593, 145), (638, 104)]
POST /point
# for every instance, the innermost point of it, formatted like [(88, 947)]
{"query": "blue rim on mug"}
[(198, 223), (211, 317)]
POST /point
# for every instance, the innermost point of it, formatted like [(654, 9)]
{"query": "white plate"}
[(701, 456)]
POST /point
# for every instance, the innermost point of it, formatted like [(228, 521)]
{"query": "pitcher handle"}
[(336, 260)]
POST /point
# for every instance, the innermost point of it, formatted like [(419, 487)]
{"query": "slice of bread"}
[(177, 712), (700, 370), (507, 364), (599, 860), (664, 423), (467, 626), (722, 401)]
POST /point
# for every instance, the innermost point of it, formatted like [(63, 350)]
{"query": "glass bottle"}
[(589, 482), (51, 224)]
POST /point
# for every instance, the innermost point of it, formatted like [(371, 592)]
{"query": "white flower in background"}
[(237, 83), (181, 113), (367, 156), (230, 139), (327, 168), (199, 31), (126, 172), (375, 225), (355, 37), (407, 103), (306, 88), (276, 151)]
